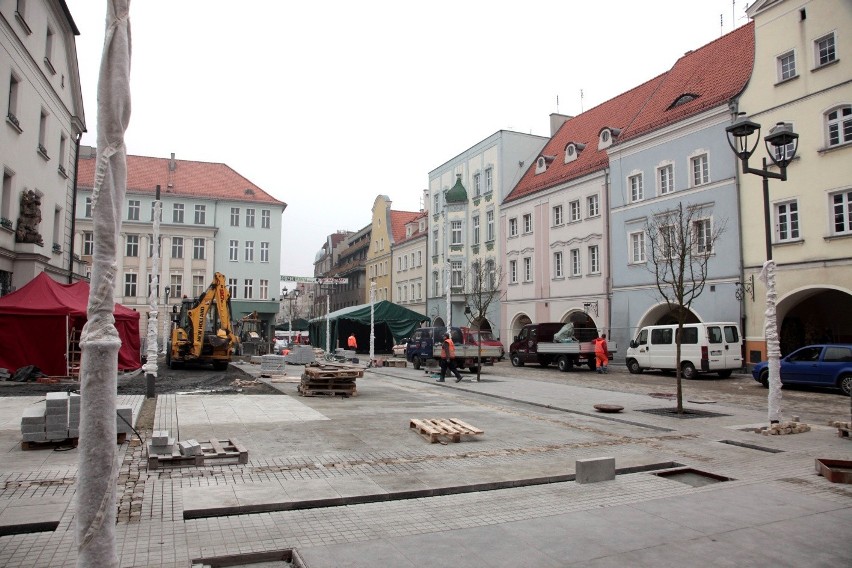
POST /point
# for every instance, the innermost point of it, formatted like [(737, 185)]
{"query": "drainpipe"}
[(74, 208), (608, 280)]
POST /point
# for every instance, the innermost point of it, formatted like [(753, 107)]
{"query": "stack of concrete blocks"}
[(32, 424), (190, 448), (301, 355), (272, 365), (74, 415), (348, 354), (56, 416), (5, 374), (161, 444), (124, 420)]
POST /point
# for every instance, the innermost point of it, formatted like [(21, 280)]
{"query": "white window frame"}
[(233, 250), (576, 267), (264, 289), (200, 214), (455, 232), (235, 216), (558, 267), (528, 223), (177, 213), (88, 243), (593, 205), (489, 180), (177, 247), (836, 126), (786, 66), (265, 219), (702, 236), (513, 271), (133, 208), (88, 208), (250, 215), (456, 273), (176, 285), (199, 248), (198, 285), (665, 179), (130, 284), (489, 226), (594, 260), (528, 274), (787, 221), (574, 214), (477, 184), (825, 54), (233, 284), (513, 227), (637, 190), (558, 217), (636, 246), (131, 247), (248, 288), (699, 169), (249, 251), (840, 207), (475, 232)]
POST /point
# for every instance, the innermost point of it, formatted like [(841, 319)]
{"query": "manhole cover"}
[(687, 413)]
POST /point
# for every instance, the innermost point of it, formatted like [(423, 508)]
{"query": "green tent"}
[(392, 322)]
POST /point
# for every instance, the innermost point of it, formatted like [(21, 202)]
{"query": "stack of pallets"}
[(329, 380)]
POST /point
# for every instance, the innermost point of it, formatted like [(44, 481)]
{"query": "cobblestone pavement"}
[(536, 426)]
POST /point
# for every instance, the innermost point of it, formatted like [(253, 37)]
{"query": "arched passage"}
[(439, 322), (811, 315), (585, 328), (661, 314), (518, 322)]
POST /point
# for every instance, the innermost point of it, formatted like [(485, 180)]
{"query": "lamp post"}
[(372, 322), (781, 145), (167, 319), (286, 295)]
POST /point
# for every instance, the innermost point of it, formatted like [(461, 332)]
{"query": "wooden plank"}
[(217, 448)]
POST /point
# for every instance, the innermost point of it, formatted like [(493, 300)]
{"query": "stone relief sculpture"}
[(29, 219)]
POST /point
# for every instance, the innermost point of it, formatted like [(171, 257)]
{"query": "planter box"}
[(836, 471)]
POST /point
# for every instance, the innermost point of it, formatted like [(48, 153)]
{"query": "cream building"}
[(388, 227), (409, 264), (802, 71), (43, 106)]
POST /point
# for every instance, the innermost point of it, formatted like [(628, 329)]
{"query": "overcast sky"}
[(326, 105)]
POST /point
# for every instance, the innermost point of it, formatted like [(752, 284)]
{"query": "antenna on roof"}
[(581, 100), (721, 25), (557, 104)]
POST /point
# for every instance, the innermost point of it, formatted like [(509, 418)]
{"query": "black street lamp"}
[(781, 145), (290, 297)]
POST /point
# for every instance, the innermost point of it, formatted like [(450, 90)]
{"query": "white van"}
[(706, 347)]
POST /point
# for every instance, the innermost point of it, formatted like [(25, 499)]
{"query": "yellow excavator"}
[(201, 331), (250, 334)]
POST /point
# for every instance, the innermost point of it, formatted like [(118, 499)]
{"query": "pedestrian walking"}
[(448, 358), (601, 354), (352, 342)]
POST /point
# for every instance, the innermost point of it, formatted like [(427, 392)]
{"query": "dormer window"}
[(682, 100), (542, 163), (572, 151), (607, 136)]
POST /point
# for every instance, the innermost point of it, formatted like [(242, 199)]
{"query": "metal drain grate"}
[(751, 446), (687, 413)]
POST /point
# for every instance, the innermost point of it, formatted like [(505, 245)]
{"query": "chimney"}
[(172, 163), (556, 122)]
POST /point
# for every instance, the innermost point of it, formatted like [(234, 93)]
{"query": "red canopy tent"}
[(36, 323)]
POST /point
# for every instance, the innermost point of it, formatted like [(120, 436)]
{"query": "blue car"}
[(816, 365)]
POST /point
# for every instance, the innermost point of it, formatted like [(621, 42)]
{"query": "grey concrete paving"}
[(346, 482)]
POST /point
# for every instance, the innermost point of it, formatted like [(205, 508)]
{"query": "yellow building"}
[(802, 67)]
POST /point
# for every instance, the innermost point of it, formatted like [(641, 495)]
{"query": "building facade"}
[(409, 264), (802, 72), (44, 121), (463, 229), (212, 220), (388, 227), (674, 153)]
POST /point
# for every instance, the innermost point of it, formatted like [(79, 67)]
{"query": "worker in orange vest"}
[(353, 344), (448, 358), (601, 354)]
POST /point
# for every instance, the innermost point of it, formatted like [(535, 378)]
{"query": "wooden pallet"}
[(318, 387), (433, 429), (214, 452), (73, 442), (333, 372)]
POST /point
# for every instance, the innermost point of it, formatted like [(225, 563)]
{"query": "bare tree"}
[(681, 243), (483, 286)]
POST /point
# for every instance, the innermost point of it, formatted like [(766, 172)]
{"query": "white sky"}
[(326, 105)]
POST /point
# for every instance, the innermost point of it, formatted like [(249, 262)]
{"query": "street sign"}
[(332, 281), (297, 279)]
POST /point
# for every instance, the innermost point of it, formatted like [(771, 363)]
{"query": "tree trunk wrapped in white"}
[(153, 312), (99, 341), (773, 345)]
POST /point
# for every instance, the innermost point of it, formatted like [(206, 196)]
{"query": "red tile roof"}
[(189, 179), (398, 221), (715, 73), (416, 233)]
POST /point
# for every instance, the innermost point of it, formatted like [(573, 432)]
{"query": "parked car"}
[(472, 337), (827, 365), (399, 348)]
